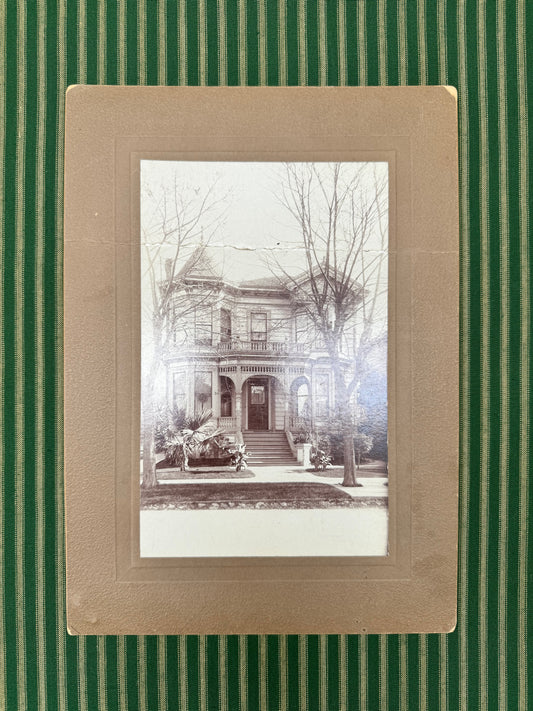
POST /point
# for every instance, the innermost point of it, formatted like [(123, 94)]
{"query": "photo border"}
[(412, 589)]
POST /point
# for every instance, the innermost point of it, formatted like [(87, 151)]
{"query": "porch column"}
[(238, 412), (215, 394)]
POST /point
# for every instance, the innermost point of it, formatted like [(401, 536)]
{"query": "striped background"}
[(478, 46)]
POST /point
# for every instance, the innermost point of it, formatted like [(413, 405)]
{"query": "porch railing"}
[(227, 423), (298, 423)]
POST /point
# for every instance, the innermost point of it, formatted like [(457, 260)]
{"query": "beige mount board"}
[(110, 588)]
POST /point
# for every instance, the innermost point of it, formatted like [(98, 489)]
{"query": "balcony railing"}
[(267, 347), (239, 346)]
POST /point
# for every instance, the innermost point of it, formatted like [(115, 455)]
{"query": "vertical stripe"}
[(243, 74), (60, 550), (141, 41), (343, 664), (262, 31), (485, 364), (302, 44), (141, 673), (222, 55), (404, 691), (182, 43), (442, 33), (243, 670), (19, 357), (202, 43), (82, 679), (3, 649), (383, 674), (101, 71), (302, 672), (422, 48), (121, 53), (162, 673), (341, 42), (382, 41), (223, 672), (361, 43), (283, 669), (282, 42), (504, 355), (322, 44), (82, 41), (183, 673), (162, 43), (443, 672), (121, 672), (102, 691), (39, 347), (423, 672), (525, 335), (323, 673), (202, 672), (263, 672), (464, 491), (402, 41), (363, 672)]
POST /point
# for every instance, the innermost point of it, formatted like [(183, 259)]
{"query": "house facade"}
[(246, 350)]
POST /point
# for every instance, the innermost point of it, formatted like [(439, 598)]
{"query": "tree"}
[(339, 211), (173, 220)]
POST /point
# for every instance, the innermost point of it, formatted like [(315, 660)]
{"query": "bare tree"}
[(340, 214), (174, 219)]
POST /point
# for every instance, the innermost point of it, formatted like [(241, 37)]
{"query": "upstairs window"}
[(203, 326), (225, 326), (259, 327), (303, 328)]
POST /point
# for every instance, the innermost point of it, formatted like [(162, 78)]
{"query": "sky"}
[(251, 219)]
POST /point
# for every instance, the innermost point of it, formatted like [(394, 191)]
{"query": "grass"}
[(256, 495)]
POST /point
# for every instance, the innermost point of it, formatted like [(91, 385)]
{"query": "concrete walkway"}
[(371, 486)]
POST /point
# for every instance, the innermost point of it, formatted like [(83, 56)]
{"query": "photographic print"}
[(264, 359)]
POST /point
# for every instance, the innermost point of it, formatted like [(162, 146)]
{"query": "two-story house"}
[(245, 349)]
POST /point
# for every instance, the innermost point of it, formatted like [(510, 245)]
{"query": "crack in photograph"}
[(264, 326)]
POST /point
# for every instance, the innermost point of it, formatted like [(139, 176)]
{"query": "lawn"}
[(246, 495)]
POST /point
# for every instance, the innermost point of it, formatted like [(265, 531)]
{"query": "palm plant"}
[(188, 435)]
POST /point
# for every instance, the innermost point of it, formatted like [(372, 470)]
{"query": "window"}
[(322, 394), (203, 399), (179, 390), (259, 327), (225, 326), (203, 326), (257, 394), (303, 328)]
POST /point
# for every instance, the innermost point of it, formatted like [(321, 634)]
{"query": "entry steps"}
[(268, 449)]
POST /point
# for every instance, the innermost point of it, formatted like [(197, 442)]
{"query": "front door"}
[(258, 404)]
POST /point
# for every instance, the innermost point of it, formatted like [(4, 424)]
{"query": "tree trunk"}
[(345, 413), (149, 479)]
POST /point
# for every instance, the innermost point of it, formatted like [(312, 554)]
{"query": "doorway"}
[(258, 404)]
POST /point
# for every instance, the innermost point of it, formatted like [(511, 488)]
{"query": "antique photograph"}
[(264, 322)]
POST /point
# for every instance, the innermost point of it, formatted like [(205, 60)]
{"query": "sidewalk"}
[(372, 487)]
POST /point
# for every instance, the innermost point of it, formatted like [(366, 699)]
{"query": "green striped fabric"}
[(481, 48)]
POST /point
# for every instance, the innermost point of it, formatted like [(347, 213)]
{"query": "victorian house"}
[(245, 349)]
